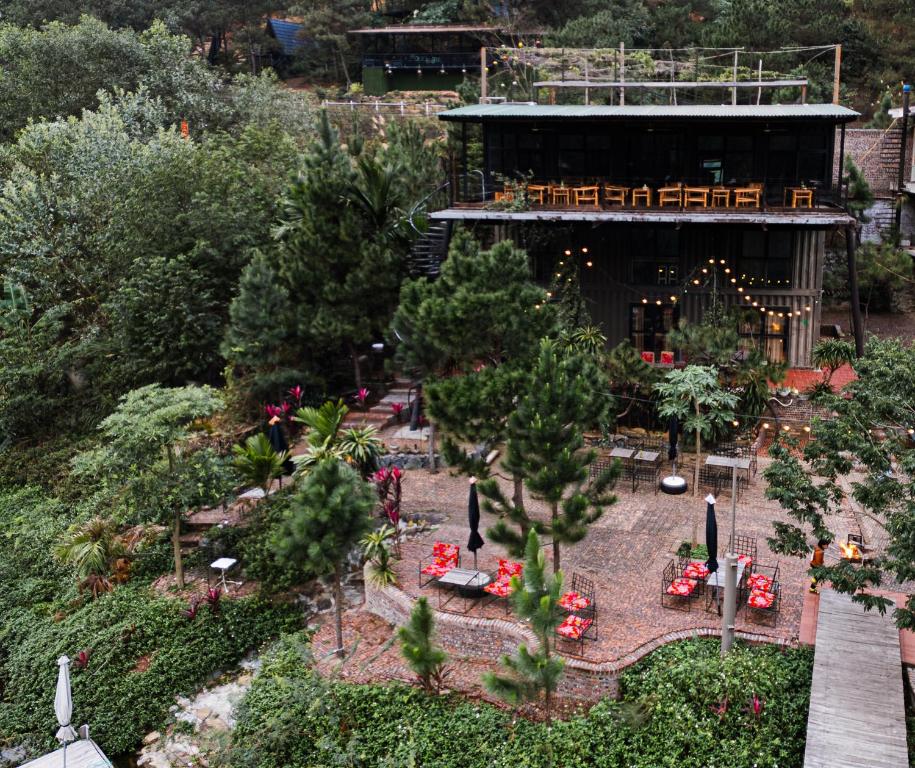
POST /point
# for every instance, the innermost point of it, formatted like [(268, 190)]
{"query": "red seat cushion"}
[(745, 560), (572, 601), (509, 568), (760, 599), (501, 587), (696, 570), (445, 554), (436, 569), (573, 627), (682, 587), (759, 581)]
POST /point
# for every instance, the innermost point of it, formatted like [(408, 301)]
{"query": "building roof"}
[(528, 111), (83, 753), (425, 29), (288, 34)]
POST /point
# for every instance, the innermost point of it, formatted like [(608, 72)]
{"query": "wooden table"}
[(747, 197), (669, 196), (537, 193), (467, 583), (587, 196), (696, 196), (560, 195)]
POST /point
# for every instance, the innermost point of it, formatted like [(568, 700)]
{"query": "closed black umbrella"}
[(673, 429), (711, 534), (473, 518)]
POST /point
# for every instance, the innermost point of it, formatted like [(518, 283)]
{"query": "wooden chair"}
[(505, 196), (615, 195), (696, 196), (721, 197), (560, 195), (537, 193), (641, 195), (802, 198), (586, 196), (670, 196)]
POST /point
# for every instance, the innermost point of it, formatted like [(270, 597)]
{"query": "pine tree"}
[(544, 447), (535, 599), (328, 516), (426, 660), (565, 294), (259, 318)]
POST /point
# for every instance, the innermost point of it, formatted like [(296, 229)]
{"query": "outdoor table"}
[(222, 565), (713, 583), (641, 195), (621, 453), (649, 456), (467, 583), (729, 461)]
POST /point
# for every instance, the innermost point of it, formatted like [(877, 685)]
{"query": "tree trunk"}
[(518, 494), (176, 546), (548, 701), (338, 611), (432, 466), (855, 300), (357, 369), (554, 514)]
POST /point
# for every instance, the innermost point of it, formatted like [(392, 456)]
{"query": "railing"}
[(461, 61), (403, 108)]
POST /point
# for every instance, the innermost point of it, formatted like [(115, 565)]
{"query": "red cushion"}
[(760, 599), (500, 587), (436, 569), (572, 601), (573, 627), (683, 587), (445, 554), (696, 570), (759, 581), (745, 560), (509, 568)]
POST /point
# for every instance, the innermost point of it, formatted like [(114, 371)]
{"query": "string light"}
[(589, 263)]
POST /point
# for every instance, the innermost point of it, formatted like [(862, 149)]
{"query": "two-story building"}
[(666, 207)]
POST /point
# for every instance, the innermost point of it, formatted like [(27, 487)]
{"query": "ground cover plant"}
[(682, 705)]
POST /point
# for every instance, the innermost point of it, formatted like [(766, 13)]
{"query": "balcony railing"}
[(600, 194), (429, 62)]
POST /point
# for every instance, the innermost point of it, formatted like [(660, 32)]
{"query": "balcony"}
[(601, 200), (418, 62)]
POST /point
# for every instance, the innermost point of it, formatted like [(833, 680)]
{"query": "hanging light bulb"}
[(568, 252), (589, 263), (644, 301), (584, 250)]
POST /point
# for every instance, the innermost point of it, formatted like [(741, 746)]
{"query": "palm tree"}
[(257, 461)]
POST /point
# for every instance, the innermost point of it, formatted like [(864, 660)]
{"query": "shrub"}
[(291, 717), (143, 653)]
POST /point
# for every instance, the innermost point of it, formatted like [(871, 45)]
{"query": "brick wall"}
[(873, 150), (460, 636)]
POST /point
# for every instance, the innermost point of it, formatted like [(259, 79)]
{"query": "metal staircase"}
[(429, 251)]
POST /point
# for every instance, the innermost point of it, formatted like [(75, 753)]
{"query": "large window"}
[(766, 258), (767, 331), (649, 325)]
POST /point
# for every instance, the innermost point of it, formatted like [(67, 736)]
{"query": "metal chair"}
[(678, 588), (582, 596)]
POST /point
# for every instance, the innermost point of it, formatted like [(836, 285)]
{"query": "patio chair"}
[(500, 588), (578, 627), (710, 477), (537, 193), (588, 195), (763, 600), (679, 589), (670, 196), (445, 557), (582, 596), (647, 471), (745, 549), (599, 466)]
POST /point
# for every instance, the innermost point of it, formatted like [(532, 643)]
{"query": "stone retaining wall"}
[(486, 638)]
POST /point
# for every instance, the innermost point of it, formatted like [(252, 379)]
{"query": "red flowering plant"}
[(388, 481), (755, 707), (213, 599), (273, 410), (190, 613), (362, 395), (81, 661), (397, 410), (296, 394)]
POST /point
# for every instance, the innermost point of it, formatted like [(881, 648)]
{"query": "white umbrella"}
[(63, 702)]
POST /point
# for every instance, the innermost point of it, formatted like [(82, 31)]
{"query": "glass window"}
[(649, 325), (766, 258), (655, 272), (766, 331)]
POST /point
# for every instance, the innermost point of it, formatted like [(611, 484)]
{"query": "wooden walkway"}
[(857, 714)]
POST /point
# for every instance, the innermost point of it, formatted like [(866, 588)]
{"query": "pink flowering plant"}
[(362, 396), (388, 483)]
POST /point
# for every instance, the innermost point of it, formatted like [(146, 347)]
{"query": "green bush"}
[(293, 717), (143, 652)]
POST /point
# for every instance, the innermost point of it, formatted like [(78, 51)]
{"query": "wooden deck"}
[(857, 714)]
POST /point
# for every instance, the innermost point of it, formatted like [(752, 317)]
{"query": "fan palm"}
[(258, 462)]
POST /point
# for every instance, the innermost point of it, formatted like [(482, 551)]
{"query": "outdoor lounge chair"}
[(678, 590), (444, 558), (578, 627), (500, 588), (762, 595), (582, 596)]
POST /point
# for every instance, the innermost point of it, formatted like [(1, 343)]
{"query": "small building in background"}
[(418, 57)]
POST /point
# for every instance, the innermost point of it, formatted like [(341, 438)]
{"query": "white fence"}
[(405, 108)]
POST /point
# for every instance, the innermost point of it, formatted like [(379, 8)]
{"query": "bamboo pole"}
[(483, 73), (835, 75)]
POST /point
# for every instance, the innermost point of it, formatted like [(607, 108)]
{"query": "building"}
[(421, 57), (665, 209)]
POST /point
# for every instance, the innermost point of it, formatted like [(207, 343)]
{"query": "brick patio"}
[(624, 554)]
